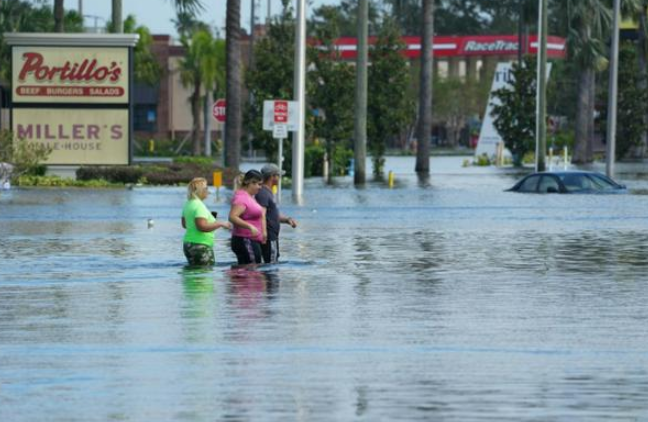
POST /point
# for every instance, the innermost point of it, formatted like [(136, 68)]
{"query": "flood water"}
[(443, 300)]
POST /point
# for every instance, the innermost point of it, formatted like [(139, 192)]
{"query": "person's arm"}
[(288, 220), (184, 223), (204, 226), (235, 218), (264, 225)]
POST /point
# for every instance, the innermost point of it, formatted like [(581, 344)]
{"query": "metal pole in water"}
[(541, 94), (299, 93), (280, 164)]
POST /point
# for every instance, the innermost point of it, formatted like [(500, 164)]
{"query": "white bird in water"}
[(150, 223)]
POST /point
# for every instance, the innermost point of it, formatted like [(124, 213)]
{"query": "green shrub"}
[(114, 174), (202, 161), (341, 161), (483, 160), (56, 181), (314, 160)]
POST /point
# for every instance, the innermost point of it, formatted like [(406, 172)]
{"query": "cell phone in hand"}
[(215, 214)]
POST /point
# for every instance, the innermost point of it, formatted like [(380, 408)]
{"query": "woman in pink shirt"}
[(248, 219)]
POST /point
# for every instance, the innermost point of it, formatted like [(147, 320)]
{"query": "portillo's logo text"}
[(87, 78)]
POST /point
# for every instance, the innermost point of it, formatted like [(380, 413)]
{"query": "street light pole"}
[(541, 95), (299, 94), (610, 146)]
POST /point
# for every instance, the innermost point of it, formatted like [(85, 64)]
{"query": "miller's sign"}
[(76, 136), (70, 75)]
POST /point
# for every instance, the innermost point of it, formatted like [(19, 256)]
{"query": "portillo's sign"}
[(72, 93), (68, 75)]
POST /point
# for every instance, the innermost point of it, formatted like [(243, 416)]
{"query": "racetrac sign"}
[(71, 93), (463, 46), (70, 75)]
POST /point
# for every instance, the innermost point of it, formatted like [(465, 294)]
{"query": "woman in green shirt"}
[(198, 241)]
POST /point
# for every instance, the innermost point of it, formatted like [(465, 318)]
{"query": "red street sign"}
[(281, 112), (218, 111)]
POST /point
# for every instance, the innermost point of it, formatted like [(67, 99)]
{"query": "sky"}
[(157, 14)]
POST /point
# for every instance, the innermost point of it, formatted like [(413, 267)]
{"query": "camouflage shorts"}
[(198, 254)]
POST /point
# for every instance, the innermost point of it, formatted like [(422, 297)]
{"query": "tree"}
[(642, 56), (118, 24), (588, 21), (425, 95), (147, 70), (514, 116), (200, 68), (233, 84), (390, 107), (346, 16), (456, 101), (333, 89), (271, 78), (360, 109), (59, 16), (22, 16), (632, 104), (23, 157)]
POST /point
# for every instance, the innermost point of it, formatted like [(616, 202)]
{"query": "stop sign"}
[(218, 111)]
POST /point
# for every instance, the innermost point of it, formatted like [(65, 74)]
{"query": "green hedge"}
[(177, 173), (116, 174)]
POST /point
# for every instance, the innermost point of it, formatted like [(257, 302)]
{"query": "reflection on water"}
[(443, 299)]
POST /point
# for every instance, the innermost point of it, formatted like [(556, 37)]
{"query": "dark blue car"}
[(568, 182)]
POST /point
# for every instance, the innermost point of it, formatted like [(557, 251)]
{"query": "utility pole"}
[(541, 94), (610, 146), (360, 141), (299, 94)]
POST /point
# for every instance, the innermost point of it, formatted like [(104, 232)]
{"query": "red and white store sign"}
[(70, 75), (500, 45)]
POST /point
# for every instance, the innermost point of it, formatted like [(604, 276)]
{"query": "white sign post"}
[(280, 117)]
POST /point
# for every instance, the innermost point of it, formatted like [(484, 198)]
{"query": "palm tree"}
[(589, 26), (642, 55), (588, 22), (233, 84), (425, 95), (117, 22), (200, 68), (59, 15)]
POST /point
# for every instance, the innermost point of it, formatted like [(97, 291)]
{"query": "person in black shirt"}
[(265, 198)]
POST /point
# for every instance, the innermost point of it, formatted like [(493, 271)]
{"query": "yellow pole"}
[(151, 145), (390, 179), (218, 182)]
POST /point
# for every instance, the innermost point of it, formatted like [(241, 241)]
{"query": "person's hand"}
[(292, 222), (254, 231), (227, 225)]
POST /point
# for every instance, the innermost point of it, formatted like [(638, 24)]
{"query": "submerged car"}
[(568, 182)]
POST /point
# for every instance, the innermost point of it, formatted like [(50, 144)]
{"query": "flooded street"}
[(447, 299)]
